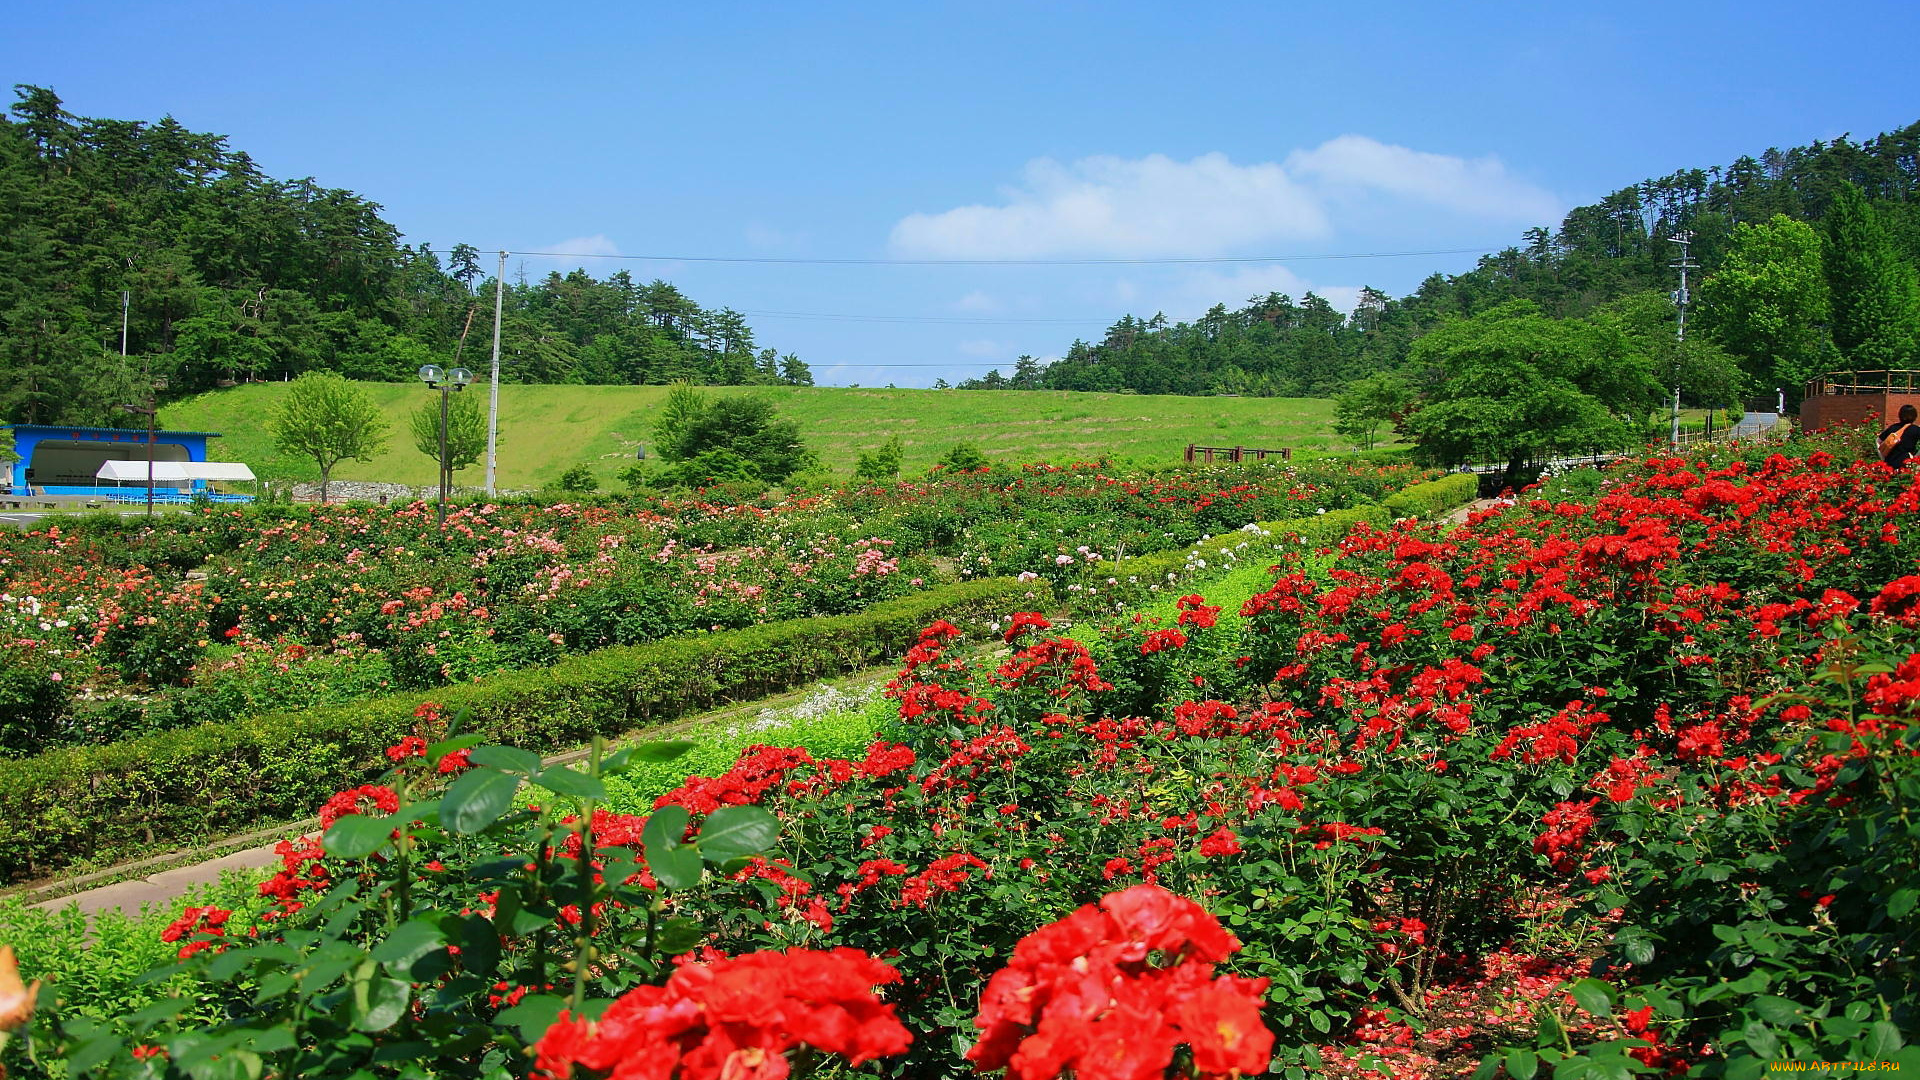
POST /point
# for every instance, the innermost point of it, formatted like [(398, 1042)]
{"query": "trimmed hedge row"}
[(1435, 497), (115, 801)]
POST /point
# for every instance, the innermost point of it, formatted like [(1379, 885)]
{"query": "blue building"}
[(68, 460)]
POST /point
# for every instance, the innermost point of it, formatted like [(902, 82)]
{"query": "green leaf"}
[(1522, 1064), (1883, 1040), (563, 781), (1593, 995), (533, 1016), (1902, 902), (1777, 1010), (660, 751), (477, 799), (92, 1053), (506, 759), (378, 1004), (664, 829), (1761, 1040), (357, 836), (409, 943), (733, 831), (677, 935), (479, 944), (452, 746), (675, 867)]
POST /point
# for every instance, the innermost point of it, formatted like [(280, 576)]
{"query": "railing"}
[(1896, 381), (1204, 454)]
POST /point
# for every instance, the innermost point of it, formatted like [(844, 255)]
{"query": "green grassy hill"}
[(546, 429)]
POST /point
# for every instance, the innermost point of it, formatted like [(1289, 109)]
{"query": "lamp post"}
[(446, 382)]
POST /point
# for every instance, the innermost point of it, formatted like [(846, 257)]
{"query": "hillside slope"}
[(546, 429)]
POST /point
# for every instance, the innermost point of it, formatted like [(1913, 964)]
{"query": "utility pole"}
[(1686, 263), (493, 395), (126, 298)]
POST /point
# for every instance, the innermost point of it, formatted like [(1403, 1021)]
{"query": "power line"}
[(1172, 261), (950, 319)]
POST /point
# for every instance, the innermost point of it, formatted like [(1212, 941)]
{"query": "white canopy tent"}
[(173, 472)]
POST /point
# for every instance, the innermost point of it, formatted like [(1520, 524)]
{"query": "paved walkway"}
[(164, 887)]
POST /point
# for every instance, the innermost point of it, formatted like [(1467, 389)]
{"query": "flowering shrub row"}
[(100, 803), (111, 628)]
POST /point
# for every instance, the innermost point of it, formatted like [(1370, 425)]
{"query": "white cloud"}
[(981, 347), (978, 302), (1156, 206), (1481, 187), (564, 255), (1118, 207), (597, 244), (1194, 291)]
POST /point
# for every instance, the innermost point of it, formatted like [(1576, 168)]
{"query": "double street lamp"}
[(446, 382)]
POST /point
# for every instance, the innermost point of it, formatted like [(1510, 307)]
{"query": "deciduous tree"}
[(1512, 385), (328, 419), (1767, 304), (466, 430)]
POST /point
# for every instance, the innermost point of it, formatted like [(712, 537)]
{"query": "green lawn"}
[(545, 429)]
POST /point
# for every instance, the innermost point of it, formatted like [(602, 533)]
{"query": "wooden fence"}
[(1204, 454)]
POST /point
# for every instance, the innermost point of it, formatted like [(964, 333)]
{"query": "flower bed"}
[(110, 628), (1605, 788), (101, 803)]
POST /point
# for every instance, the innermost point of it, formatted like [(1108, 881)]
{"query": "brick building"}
[(1855, 397)]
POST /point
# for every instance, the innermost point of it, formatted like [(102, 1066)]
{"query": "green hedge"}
[(104, 803), (1433, 498)]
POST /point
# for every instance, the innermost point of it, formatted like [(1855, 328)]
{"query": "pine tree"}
[(1874, 295)]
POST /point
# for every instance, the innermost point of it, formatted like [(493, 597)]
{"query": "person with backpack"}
[(1900, 439)]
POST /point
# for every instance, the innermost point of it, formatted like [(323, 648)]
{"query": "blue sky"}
[(980, 130)]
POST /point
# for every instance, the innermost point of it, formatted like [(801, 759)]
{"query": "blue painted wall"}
[(124, 443)]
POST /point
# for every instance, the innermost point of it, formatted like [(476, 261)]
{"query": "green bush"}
[(1433, 498), (102, 803), (578, 479)]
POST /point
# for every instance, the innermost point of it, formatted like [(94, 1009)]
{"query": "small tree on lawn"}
[(964, 457), (693, 427), (882, 466), (328, 419), (466, 431), (579, 480), (1366, 404)]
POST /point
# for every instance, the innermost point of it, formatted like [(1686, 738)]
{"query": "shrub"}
[(1433, 498), (578, 479), (964, 457)]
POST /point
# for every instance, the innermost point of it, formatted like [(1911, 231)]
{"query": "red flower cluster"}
[(195, 921), (734, 1017), (384, 799), (1110, 991)]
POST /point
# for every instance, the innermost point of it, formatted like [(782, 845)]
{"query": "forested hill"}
[(233, 275), (1614, 250)]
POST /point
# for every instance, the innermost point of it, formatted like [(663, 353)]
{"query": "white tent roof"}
[(173, 472)]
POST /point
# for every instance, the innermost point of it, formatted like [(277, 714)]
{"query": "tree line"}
[(1759, 230), (231, 275)]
